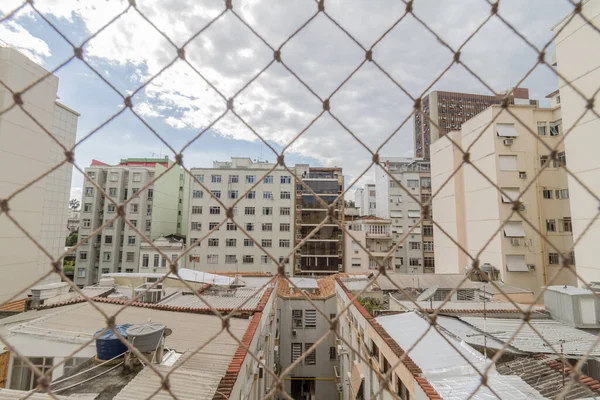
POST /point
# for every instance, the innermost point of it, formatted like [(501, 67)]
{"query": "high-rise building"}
[(472, 211), (366, 199), (449, 110), (323, 253), (577, 62), (26, 153), (415, 254), (156, 211)]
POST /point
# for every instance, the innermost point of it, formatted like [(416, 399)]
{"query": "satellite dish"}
[(428, 293)]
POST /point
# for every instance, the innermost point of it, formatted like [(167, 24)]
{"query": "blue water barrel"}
[(108, 345)]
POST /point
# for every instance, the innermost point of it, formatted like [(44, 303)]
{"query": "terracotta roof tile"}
[(325, 291), (588, 381), (17, 305)]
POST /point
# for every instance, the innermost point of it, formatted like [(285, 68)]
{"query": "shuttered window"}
[(296, 351), (311, 358), (310, 318)]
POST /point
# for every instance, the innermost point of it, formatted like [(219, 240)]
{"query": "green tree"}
[(71, 239), (370, 304)]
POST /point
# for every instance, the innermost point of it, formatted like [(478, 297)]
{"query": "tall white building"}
[(415, 255), (366, 199), (157, 211), (26, 153), (578, 59)]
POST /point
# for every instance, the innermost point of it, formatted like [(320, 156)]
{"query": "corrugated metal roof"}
[(305, 283), (218, 299), (576, 342), (447, 369), (9, 394), (503, 288), (185, 273), (470, 334), (424, 281), (466, 305)]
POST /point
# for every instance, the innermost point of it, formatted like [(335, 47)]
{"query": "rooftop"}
[(325, 289), (570, 290), (424, 281), (185, 273), (246, 299)]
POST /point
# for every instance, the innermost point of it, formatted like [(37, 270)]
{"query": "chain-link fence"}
[(167, 378)]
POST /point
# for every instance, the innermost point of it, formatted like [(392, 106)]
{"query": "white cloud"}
[(18, 37)]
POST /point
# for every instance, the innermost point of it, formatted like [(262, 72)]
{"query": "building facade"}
[(154, 211), (374, 234), (366, 199), (471, 210), (323, 252), (26, 153), (415, 254), (577, 61), (151, 260), (449, 110)]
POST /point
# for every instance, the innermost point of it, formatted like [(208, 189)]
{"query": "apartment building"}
[(471, 211), (264, 196), (323, 253), (371, 233), (577, 63), (156, 211), (26, 153), (415, 255), (449, 110), (365, 199)]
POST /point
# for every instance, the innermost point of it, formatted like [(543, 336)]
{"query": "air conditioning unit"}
[(339, 387), (522, 207), (523, 175), (531, 267), (515, 242), (508, 142)]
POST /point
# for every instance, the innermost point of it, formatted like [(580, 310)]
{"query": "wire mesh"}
[(229, 106)]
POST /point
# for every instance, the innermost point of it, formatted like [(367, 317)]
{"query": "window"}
[(267, 226), (230, 259), (284, 211), (415, 246), (81, 272), (555, 127), (249, 226), (231, 226), (412, 183), (213, 242), (393, 184), (248, 243), (553, 258), (248, 259), (268, 179), (130, 257), (332, 353), (232, 194), (215, 178), (91, 175), (428, 246), (133, 222), (266, 243), (216, 193), (426, 182), (551, 225), (114, 176), (234, 178), (441, 294), (267, 211), (196, 226), (148, 209), (284, 243), (428, 262), (212, 259), (230, 242), (83, 255), (310, 318), (356, 262), (107, 256), (285, 195), (268, 195), (265, 259), (105, 270), (249, 211), (87, 207), (311, 358), (196, 210), (297, 319), (89, 191), (23, 378), (399, 262), (112, 192), (145, 260), (156, 259), (296, 352), (134, 208), (562, 193), (284, 227), (428, 230), (566, 225), (372, 205), (251, 195), (131, 240), (250, 178), (561, 159), (547, 194), (134, 191), (213, 225), (507, 163), (137, 177), (199, 178), (414, 262), (542, 128), (285, 179), (543, 160), (215, 210), (197, 194), (108, 240)]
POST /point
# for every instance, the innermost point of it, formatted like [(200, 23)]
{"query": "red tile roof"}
[(17, 305), (566, 370)]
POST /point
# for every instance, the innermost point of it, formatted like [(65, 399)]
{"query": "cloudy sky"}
[(178, 103)]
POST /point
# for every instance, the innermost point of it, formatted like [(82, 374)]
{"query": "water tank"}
[(108, 345), (146, 337)]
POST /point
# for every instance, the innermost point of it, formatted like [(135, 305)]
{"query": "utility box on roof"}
[(577, 307)]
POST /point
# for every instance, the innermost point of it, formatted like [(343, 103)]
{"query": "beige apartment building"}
[(375, 235), (26, 153), (577, 60), (471, 211)]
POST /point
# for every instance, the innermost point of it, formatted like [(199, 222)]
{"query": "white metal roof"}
[(305, 283), (575, 343), (424, 281), (465, 305), (470, 334), (185, 273), (571, 290), (446, 367), (247, 298)]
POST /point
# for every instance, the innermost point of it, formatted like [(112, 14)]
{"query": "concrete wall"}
[(165, 203), (578, 60)]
